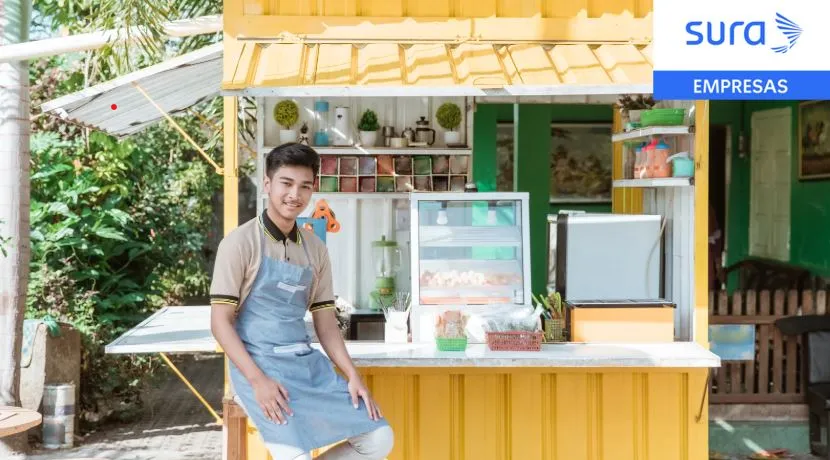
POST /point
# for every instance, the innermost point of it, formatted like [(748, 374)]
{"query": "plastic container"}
[(660, 166), (58, 416), (639, 162), (662, 117), (451, 344), (682, 165), (647, 159)]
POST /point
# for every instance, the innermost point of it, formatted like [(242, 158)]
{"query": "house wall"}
[(810, 199)]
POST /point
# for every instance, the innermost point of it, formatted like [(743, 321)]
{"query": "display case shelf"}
[(450, 236), (358, 151), (645, 133), (655, 182)]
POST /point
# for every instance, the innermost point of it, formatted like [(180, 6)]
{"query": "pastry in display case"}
[(471, 253)]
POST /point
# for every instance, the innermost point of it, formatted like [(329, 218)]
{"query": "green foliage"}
[(449, 116), (286, 113), (368, 121), (4, 242)]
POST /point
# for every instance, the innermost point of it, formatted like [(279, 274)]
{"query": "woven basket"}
[(554, 330), (515, 341), (451, 344)]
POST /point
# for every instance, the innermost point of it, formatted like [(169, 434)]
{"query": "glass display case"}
[(470, 252)]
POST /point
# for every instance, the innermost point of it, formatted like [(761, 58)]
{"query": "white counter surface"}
[(678, 354), (187, 330)]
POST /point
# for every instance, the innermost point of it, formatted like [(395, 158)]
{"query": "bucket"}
[(58, 416)]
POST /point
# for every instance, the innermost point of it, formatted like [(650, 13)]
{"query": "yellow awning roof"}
[(420, 69)]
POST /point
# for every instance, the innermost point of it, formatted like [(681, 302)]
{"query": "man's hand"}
[(272, 398), (358, 390)]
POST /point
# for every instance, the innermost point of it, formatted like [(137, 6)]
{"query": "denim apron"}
[(272, 327)]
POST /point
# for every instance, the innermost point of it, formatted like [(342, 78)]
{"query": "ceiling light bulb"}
[(442, 217), (491, 217)]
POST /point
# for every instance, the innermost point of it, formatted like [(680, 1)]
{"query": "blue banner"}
[(742, 85)]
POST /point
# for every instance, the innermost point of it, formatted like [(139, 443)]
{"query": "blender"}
[(386, 259)]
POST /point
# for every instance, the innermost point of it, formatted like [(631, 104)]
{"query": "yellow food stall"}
[(568, 400)]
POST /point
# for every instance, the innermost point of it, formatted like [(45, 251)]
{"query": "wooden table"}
[(15, 420)]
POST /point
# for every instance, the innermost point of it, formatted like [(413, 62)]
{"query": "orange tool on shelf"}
[(323, 211)]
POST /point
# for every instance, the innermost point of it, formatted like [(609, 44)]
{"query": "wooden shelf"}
[(653, 183), (385, 151), (645, 133)]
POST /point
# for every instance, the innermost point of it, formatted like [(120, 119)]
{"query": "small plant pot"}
[(368, 138), (634, 116), (288, 135), (452, 137)]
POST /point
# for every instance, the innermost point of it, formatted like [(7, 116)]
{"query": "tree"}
[(14, 211)]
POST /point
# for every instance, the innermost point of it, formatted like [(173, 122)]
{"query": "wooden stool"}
[(235, 430), (15, 420)]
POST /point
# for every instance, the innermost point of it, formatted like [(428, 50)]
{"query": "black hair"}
[(292, 154)]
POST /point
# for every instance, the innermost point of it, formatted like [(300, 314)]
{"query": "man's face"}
[(289, 190)]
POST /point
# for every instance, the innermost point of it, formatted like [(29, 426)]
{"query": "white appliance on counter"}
[(605, 256)]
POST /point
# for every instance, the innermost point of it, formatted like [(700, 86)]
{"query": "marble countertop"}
[(666, 355)]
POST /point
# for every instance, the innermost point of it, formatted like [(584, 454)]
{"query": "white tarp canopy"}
[(175, 85)]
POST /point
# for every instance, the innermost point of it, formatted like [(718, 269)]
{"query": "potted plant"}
[(553, 315), (286, 113), (449, 118), (368, 128), (632, 106)]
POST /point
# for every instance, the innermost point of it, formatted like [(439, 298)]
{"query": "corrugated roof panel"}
[(174, 85), (578, 65), (280, 65), (428, 65), (294, 69), (624, 63), (478, 65), (534, 64), (379, 64)]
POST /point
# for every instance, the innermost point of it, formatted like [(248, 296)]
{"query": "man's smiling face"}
[(289, 191)]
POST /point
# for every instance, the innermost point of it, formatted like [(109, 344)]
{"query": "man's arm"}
[(228, 275)]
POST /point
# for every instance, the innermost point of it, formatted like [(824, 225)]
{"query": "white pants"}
[(374, 445)]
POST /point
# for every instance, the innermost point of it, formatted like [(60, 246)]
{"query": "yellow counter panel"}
[(568, 402)]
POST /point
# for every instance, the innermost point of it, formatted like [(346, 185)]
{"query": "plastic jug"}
[(648, 159), (660, 166), (639, 162), (682, 165)]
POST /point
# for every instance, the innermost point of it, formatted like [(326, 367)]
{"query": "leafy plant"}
[(638, 102), (368, 121), (552, 303), (449, 116), (286, 113), (4, 241)]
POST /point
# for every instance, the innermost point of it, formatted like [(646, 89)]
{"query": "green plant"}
[(286, 113), (552, 303), (449, 116), (368, 121), (638, 102), (4, 241)]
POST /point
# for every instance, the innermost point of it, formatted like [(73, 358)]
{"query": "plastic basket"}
[(663, 117), (515, 341), (451, 344)]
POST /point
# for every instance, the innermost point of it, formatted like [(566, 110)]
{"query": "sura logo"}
[(750, 33)]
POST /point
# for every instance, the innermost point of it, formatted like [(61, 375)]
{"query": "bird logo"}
[(791, 31)]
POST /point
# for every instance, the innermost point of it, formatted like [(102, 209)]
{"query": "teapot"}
[(422, 132)]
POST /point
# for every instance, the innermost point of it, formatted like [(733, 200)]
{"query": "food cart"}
[(627, 400)]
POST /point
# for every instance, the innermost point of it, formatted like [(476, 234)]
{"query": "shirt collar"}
[(272, 230)]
